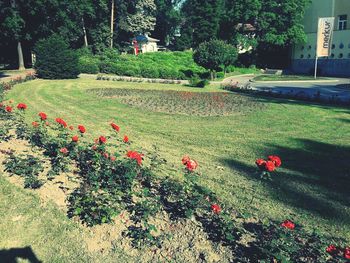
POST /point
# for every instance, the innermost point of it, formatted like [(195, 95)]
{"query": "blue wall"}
[(326, 67)]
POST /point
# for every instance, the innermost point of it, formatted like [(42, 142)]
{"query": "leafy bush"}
[(149, 72), (55, 60), (28, 167), (215, 55), (167, 65), (197, 82), (88, 64)]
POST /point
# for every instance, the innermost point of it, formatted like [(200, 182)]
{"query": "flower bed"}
[(183, 102), (117, 180)]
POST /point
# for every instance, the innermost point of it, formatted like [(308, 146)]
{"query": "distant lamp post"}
[(136, 47)]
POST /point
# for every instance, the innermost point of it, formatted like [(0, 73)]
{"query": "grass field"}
[(312, 188)]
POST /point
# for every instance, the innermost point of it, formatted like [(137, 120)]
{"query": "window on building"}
[(342, 21)]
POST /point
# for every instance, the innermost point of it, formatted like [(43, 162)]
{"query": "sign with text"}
[(324, 36)]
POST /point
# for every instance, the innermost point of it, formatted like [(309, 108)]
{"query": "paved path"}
[(336, 88)]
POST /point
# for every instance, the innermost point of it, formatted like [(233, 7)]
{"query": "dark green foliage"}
[(55, 60), (26, 166), (202, 17), (92, 206), (166, 65), (215, 55), (88, 64), (195, 81)]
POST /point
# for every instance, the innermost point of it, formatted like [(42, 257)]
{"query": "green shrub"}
[(149, 72), (220, 74), (195, 81), (55, 60), (88, 64)]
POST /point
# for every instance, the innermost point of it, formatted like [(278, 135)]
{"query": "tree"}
[(214, 55), (167, 20), (140, 17), (12, 27), (200, 20), (54, 59), (280, 22)]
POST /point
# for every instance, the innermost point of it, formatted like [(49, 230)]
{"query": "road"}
[(334, 88)]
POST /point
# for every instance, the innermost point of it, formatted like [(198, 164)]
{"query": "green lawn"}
[(311, 188), (285, 78)]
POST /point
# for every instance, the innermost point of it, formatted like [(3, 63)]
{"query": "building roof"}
[(245, 27), (145, 38)]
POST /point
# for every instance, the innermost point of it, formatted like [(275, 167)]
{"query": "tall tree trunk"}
[(112, 23), (20, 56), (84, 30)]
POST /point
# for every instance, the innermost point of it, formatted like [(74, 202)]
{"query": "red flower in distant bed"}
[(136, 156), (8, 109), (35, 124), (62, 122), (64, 150), (288, 224), (21, 106), (81, 128), (332, 249), (126, 139), (75, 138), (216, 208), (42, 116), (347, 253), (102, 139), (115, 127)]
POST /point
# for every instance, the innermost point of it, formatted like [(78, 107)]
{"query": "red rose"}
[(105, 155), (275, 159), (115, 127), (260, 163), (113, 158), (8, 108), (126, 139), (332, 249), (43, 116), (347, 252), (270, 166), (35, 124), (94, 147), (102, 139), (185, 159), (75, 138), (21, 106), (81, 128), (191, 165), (62, 122), (64, 150), (135, 155), (71, 128), (216, 208), (288, 224)]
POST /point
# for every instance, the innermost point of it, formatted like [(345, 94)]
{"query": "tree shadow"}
[(3, 75), (13, 254), (315, 177)]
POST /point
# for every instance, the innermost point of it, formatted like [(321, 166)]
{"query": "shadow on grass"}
[(13, 254), (3, 75), (317, 179)]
